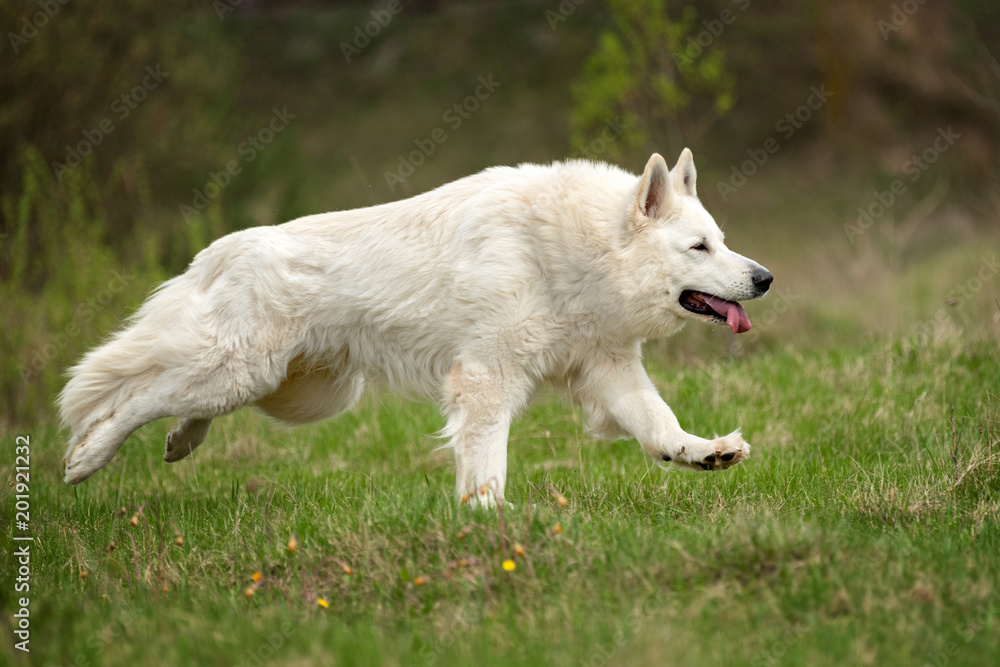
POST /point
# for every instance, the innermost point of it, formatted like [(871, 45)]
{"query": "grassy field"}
[(862, 531)]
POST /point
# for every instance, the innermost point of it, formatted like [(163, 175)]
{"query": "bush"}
[(64, 283)]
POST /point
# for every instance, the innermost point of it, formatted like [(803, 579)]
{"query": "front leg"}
[(619, 397), (481, 400)]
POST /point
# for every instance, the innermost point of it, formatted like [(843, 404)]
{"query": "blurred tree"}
[(131, 79), (660, 82)]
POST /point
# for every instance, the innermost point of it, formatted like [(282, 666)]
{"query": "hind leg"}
[(188, 434), (171, 393)]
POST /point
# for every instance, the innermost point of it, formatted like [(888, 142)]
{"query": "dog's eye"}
[(700, 247)]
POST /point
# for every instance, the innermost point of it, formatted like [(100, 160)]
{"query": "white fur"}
[(474, 294)]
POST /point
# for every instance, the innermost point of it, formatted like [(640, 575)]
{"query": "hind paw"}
[(87, 455), (182, 440)]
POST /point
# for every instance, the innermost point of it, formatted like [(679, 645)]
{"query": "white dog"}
[(474, 294)]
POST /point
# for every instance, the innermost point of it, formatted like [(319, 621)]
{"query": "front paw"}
[(718, 454)]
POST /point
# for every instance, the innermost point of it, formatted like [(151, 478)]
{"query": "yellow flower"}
[(483, 489), (84, 574), (557, 528), (466, 497), (256, 577), (135, 520), (322, 603), (166, 589), (518, 549), (347, 569), (561, 499), (248, 592), (509, 565), (293, 543), (420, 581), (179, 540)]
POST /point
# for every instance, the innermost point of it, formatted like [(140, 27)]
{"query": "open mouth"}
[(719, 310)]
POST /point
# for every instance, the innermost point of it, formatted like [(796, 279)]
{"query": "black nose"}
[(762, 279)]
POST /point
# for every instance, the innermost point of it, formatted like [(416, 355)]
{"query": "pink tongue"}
[(735, 316)]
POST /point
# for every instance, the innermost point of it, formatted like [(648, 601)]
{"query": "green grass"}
[(854, 535)]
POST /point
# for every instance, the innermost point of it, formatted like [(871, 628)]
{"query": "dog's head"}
[(685, 259)]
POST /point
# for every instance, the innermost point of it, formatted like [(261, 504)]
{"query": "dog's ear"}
[(656, 193), (685, 175)]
